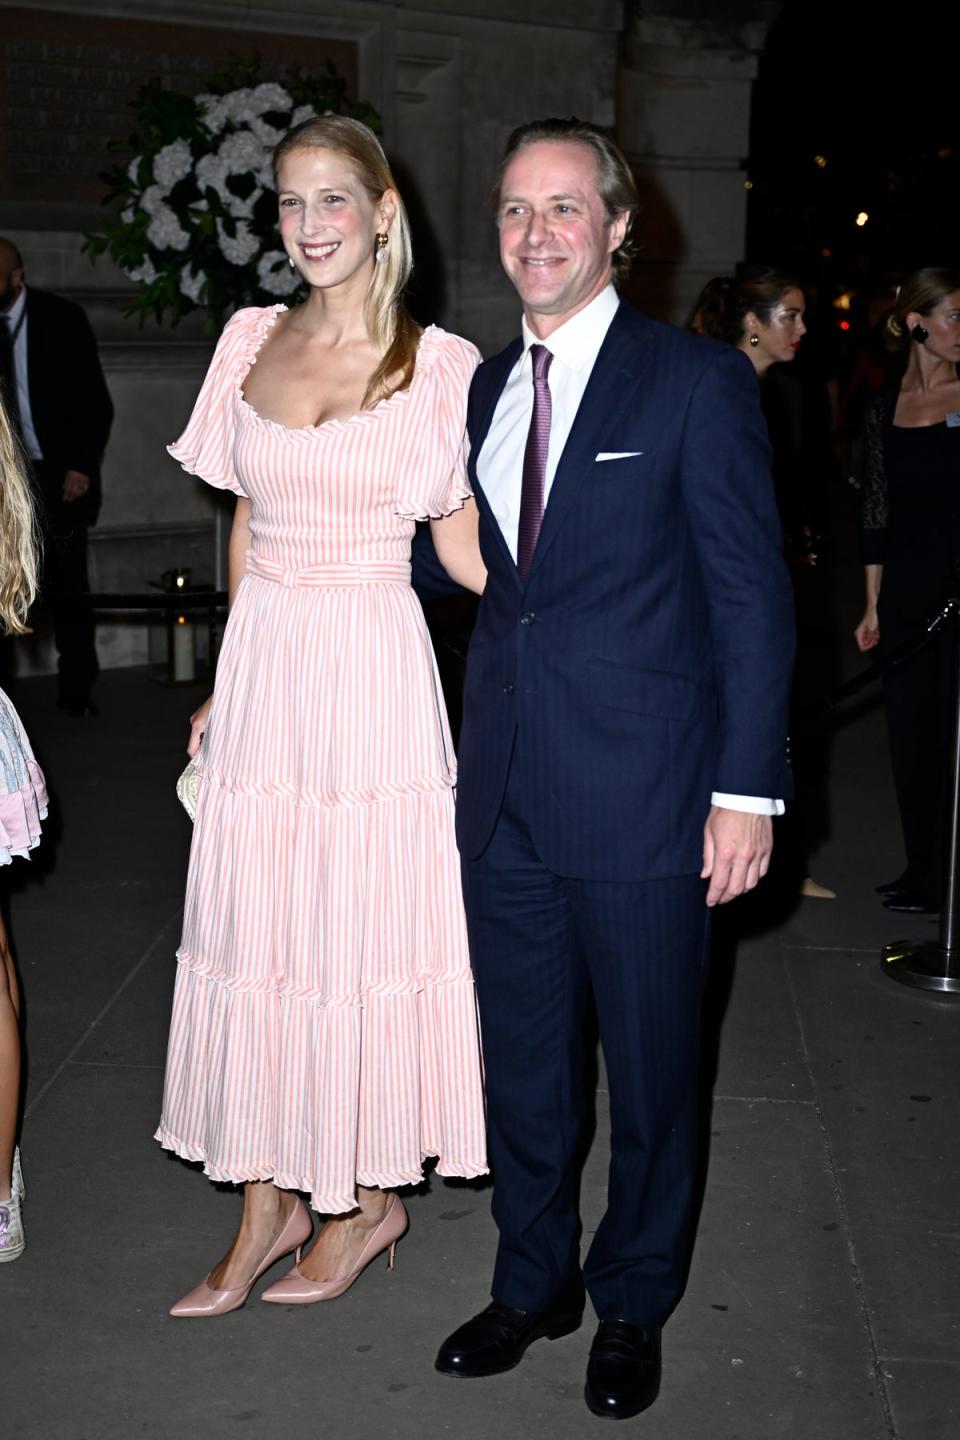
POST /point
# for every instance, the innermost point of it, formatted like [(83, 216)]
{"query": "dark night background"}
[(875, 92)]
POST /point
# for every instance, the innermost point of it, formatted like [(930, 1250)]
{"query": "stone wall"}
[(684, 119)]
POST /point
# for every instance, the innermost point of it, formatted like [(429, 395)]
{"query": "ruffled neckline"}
[(263, 323)]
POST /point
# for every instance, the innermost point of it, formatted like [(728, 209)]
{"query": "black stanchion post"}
[(935, 964)]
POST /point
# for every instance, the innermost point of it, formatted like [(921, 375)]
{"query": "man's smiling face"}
[(556, 242)]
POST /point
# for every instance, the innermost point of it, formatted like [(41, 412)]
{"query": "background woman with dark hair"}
[(911, 546), (760, 310)]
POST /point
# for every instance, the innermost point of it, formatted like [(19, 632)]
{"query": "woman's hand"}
[(198, 724), (867, 633)]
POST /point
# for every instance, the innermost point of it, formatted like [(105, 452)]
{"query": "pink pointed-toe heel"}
[(203, 1300), (296, 1289)]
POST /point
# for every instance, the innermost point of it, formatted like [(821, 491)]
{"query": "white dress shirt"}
[(575, 346), (30, 442)]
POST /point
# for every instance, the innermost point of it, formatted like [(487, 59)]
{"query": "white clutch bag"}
[(187, 787)]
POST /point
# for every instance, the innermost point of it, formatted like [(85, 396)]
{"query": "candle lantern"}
[(174, 652)]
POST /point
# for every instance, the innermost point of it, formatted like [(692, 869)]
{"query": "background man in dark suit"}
[(623, 748), (55, 391)]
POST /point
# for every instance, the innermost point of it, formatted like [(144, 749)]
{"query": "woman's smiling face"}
[(328, 222)]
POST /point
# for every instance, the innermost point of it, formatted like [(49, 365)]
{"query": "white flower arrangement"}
[(198, 223)]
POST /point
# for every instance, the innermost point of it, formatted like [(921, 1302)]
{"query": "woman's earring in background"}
[(754, 339), (382, 241), (919, 334), (292, 266)]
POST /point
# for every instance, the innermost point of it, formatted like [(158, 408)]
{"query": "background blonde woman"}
[(324, 1033), (911, 549), (23, 805)]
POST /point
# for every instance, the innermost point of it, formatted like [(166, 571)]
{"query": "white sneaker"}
[(18, 1189), (12, 1242)]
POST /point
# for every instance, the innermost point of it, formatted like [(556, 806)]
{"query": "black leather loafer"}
[(892, 887), (495, 1340), (623, 1372)]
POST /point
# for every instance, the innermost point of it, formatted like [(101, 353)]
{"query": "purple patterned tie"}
[(534, 461)]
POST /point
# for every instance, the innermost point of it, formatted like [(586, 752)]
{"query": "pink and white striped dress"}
[(324, 1027)]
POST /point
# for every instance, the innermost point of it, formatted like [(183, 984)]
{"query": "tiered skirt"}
[(324, 1028)]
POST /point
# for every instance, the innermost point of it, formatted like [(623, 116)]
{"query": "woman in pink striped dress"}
[(324, 1034)]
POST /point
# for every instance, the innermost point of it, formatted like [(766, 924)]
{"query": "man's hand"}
[(75, 484), (737, 846)]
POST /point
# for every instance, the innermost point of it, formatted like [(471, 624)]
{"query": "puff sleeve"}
[(207, 444), (440, 484)]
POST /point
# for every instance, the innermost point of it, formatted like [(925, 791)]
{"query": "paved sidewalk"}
[(822, 1302)]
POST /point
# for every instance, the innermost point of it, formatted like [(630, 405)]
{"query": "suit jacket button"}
[(508, 687), (527, 618)]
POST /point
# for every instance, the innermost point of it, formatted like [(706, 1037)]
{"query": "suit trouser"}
[(540, 944), (919, 698), (64, 574)]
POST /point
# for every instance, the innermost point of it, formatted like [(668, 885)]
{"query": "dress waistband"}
[(373, 572)]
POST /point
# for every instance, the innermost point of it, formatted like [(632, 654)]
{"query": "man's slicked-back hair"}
[(615, 182)]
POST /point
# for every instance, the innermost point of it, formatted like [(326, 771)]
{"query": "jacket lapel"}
[(488, 387), (624, 357), (35, 352)]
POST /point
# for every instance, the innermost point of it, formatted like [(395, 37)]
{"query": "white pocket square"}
[(618, 454)]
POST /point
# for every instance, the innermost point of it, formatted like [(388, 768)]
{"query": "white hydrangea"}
[(153, 199), (174, 162), (276, 274), (211, 171), (266, 134), (239, 249), (143, 273), (241, 153), (239, 106), (133, 169), (302, 112), (165, 231), (214, 112), (192, 284), (269, 96), (128, 215)]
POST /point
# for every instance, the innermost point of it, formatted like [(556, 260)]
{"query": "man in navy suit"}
[(55, 392), (623, 749)]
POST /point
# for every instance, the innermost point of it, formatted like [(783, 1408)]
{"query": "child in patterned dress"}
[(23, 804)]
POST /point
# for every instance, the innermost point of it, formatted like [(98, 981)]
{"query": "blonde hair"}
[(920, 293), (18, 535), (389, 325)]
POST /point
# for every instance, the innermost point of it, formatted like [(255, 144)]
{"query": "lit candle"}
[(184, 643)]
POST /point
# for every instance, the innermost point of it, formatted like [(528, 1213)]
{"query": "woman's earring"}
[(382, 241), (754, 339), (919, 334), (292, 266)]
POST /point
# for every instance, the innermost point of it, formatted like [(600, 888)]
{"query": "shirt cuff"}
[(755, 804)]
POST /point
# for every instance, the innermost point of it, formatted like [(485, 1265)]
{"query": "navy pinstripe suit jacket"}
[(647, 660)]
